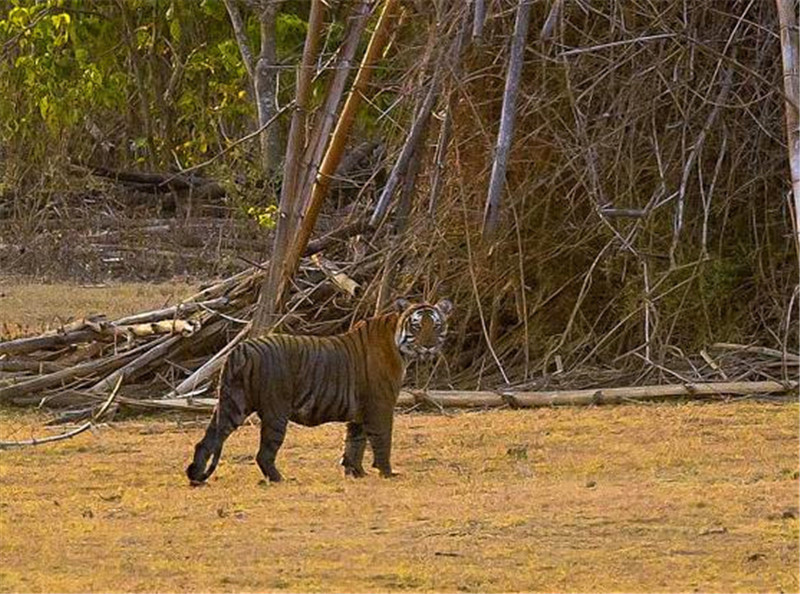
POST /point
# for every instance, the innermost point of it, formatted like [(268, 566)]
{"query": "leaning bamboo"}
[(269, 295), (158, 349), (415, 135), (326, 115), (336, 147), (210, 366)]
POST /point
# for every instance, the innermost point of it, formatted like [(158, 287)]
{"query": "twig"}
[(5, 445)]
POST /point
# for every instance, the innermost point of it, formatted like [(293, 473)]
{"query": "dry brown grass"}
[(28, 308), (630, 498)]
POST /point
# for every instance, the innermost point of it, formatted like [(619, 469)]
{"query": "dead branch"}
[(448, 399), (485, 399)]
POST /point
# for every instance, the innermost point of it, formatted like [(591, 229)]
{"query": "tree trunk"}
[(265, 86), (262, 72)]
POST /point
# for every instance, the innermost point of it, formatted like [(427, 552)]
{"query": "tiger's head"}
[(422, 327)]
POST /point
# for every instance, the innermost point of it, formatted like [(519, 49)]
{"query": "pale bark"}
[(790, 52), (262, 72), (505, 134)]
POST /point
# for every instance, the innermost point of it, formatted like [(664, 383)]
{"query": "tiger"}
[(353, 378)]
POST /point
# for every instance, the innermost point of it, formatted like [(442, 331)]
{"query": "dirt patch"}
[(689, 497)]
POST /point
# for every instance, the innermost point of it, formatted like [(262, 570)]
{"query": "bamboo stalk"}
[(268, 297), (790, 53), (327, 113), (210, 366), (415, 135), (506, 130), (180, 310), (158, 348)]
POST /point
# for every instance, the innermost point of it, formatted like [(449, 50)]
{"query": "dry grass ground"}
[(27, 307), (689, 497), (685, 497)]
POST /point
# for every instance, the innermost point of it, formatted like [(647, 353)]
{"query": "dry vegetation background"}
[(671, 112)]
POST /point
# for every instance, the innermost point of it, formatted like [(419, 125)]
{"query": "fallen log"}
[(487, 399), (20, 346), (29, 365), (158, 348), (83, 370), (175, 311)]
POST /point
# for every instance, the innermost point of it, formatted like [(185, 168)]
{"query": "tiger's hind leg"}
[(273, 431), (354, 445), (231, 411)]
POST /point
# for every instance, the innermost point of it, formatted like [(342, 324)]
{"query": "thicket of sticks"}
[(601, 190)]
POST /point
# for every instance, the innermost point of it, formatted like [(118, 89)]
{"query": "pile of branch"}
[(172, 351)]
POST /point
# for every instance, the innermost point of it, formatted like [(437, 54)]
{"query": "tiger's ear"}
[(445, 306), (401, 304)]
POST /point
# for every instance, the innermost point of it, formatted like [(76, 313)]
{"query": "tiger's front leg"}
[(379, 433), (354, 446), (273, 432)]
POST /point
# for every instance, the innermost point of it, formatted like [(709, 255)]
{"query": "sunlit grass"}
[(629, 498)]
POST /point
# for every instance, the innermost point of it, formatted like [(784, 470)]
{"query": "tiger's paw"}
[(354, 471)]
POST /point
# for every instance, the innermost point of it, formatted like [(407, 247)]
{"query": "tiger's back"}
[(314, 380)]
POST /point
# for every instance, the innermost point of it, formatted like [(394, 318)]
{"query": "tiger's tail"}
[(230, 412)]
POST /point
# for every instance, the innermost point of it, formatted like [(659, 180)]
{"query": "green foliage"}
[(290, 33), (162, 77), (265, 216), (50, 82)]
